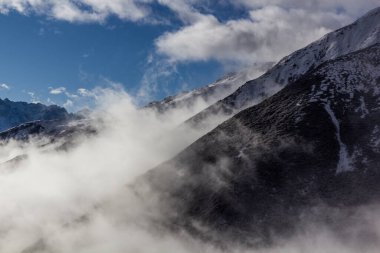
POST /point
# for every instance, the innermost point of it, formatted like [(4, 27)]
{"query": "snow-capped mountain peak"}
[(358, 35)]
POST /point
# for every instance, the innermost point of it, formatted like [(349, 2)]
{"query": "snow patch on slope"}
[(362, 108), (344, 163)]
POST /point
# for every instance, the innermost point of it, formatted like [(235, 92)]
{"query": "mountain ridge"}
[(211, 93), (13, 113), (358, 35), (252, 177)]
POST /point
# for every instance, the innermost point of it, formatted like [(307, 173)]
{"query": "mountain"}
[(50, 130), (361, 34), (211, 93), (311, 151), (22, 121), (15, 113), (62, 133)]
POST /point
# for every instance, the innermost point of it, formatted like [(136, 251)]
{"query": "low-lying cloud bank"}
[(58, 196), (78, 201)]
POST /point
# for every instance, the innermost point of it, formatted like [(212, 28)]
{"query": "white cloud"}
[(63, 91), (80, 10), (4, 86), (84, 92), (270, 30), (268, 34), (184, 9), (57, 91), (273, 29), (352, 7), (77, 200), (33, 97), (157, 76), (68, 104)]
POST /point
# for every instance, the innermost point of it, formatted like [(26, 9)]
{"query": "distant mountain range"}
[(22, 121), (15, 113)]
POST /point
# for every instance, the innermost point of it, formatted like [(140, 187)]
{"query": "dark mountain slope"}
[(315, 143)]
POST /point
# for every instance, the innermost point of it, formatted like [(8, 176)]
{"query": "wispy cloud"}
[(62, 91), (80, 98), (85, 92), (68, 104), (57, 91), (33, 97), (4, 86), (81, 10), (159, 73)]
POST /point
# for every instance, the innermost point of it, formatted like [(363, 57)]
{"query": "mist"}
[(78, 200)]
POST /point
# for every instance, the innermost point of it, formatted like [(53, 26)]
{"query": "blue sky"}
[(40, 55), (53, 51)]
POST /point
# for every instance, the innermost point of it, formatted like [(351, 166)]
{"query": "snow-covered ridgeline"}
[(361, 34), (198, 99)]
